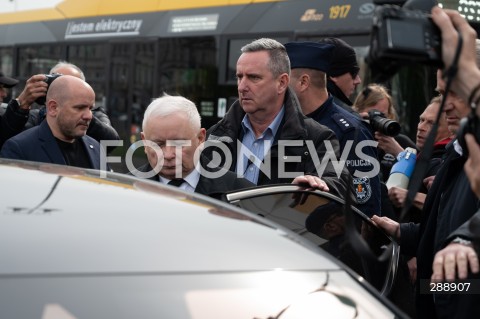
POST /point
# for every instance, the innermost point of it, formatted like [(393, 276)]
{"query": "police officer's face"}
[(177, 142), (347, 82)]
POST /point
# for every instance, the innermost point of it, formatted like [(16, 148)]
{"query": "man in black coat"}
[(450, 203), (343, 75), (100, 127), (13, 120), (264, 136), (61, 138)]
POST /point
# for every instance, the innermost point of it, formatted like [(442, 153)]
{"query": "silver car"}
[(75, 244)]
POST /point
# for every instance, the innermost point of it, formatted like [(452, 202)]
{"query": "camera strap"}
[(358, 243), (421, 166)]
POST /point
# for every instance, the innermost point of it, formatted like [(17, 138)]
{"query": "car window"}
[(319, 217)]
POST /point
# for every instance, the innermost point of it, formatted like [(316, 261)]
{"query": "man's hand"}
[(455, 257), (388, 144), (313, 181), (428, 181), (451, 23), (390, 226), (397, 195), (34, 88), (412, 269)]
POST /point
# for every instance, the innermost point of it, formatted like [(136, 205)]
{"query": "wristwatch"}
[(462, 241)]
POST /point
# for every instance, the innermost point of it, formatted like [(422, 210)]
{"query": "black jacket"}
[(12, 121), (294, 126), (449, 204), (213, 187)]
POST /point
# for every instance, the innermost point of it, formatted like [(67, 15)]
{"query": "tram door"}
[(131, 82)]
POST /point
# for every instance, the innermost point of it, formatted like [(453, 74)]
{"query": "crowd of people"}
[(294, 110)]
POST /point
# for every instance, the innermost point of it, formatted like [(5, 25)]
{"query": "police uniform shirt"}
[(343, 124)]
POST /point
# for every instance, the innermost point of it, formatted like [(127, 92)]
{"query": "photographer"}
[(16, 114), (450, 202), (376, 97), (100, 127)]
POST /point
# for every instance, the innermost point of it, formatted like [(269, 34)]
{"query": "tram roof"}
[(105, 20)]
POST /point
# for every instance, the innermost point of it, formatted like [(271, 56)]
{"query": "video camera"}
[(380, 123), (403, 35), (49, 79)]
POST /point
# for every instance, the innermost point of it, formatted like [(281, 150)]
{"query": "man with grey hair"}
[(173, 140), (269, 139), (100, 127)]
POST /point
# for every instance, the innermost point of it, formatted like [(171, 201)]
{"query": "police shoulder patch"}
[(363, 190), (343, 122)]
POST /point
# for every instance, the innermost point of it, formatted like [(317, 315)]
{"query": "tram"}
[(133, 51)]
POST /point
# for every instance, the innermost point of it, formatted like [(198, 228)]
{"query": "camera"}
[(49, 79), (401, 36), (469, 124), (379, 123)]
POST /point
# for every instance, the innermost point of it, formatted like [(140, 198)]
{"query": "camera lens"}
[(385, 126)]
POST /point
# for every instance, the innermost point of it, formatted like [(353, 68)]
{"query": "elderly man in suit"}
[(61, 139), (173, 140)]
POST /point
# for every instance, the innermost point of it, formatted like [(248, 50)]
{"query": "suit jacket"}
[(39, 145), (213, 187)]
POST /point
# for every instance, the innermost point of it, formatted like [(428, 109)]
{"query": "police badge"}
[(363, 190)]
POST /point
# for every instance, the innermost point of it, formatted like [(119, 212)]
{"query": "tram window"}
[(91, 59), (38, 59), (234, 48), (188, 67), (6, 60)]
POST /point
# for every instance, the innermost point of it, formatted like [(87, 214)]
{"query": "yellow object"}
[(69, 9)]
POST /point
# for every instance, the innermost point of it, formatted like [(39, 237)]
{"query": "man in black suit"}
[(173, 139), (61, 138)]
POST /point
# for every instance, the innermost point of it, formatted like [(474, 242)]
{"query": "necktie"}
[(176, 182)]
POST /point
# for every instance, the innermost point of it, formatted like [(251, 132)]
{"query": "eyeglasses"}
[(354, 74)]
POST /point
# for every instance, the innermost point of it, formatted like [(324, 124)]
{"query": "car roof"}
[(58, 219)]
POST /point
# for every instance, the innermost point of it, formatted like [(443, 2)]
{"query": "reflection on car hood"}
[(65, 220)]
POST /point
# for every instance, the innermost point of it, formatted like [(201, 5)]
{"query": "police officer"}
[(343, 73), (309, 63)]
